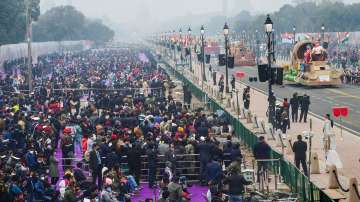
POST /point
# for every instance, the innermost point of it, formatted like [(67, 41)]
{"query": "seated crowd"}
[(92, 121)]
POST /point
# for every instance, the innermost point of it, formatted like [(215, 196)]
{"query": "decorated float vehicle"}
[(243, 56), (310, 67)]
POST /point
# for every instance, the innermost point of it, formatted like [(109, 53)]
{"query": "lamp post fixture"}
[(181, 45), (174, 43), (257, 47), (226, 35), (270, 52), (322, 34), (202, 33), (294, 34), (190, 48), (29, 41)]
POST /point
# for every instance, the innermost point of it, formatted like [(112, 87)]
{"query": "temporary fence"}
[(297, 181)]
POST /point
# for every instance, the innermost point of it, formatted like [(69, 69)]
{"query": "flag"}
[(346, 37), (287, 37), (343, 37)]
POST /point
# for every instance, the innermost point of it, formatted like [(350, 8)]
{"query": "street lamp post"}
[(294, 34), (322, 34), (28, 40), (269, 30), (174, 43), (257, 47), (181, 46), (202, 32), (226, 35), (190, 48)]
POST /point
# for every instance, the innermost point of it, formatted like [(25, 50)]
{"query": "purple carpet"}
[(196, 191), (78, 156)]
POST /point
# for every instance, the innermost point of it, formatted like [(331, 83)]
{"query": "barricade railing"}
[(291, 176)]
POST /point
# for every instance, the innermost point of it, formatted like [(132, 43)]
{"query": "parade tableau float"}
[(310, 67), (243, 56)]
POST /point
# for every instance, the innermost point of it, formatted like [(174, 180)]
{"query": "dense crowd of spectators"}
[(92, 117)]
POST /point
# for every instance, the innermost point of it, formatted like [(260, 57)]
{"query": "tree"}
[(13, 19), (58, 24), (66, 23), (98, 32)]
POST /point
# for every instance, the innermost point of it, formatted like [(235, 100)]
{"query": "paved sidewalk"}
[(346, 146)]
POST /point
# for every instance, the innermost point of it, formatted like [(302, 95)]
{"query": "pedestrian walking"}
[(300, 147), (294, 104), (304, 104)]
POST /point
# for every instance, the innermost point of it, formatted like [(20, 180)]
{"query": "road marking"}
[(343, 93)]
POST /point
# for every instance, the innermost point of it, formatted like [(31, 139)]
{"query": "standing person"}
[(204, 149), (175, 190), (236, 184), (95, 165), (286, 107), (214, 77), (232, 83), (214, 173), (261, 151), (152, 161), (304, 104), (221, 84), (134, 157), (53, 168), (294, 104), (246, 97), (284, 121), (299, 147), (329, 135)]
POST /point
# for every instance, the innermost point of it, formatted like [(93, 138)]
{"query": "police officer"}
[(304, 104)]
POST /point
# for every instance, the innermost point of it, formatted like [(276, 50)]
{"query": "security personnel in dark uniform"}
[(299, 147), (304, 104)]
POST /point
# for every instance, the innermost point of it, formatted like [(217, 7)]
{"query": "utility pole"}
[(28, 40)]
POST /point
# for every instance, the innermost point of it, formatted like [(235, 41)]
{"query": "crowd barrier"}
[(290, 175)]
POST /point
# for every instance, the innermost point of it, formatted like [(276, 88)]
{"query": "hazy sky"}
[(125, 10), (154, 10)]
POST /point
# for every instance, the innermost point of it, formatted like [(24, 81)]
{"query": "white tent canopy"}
[(16, 51)]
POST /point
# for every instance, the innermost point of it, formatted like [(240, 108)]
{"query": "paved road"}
[(322, 99)]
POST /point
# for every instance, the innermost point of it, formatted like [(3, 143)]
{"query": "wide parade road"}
[(322, 98)]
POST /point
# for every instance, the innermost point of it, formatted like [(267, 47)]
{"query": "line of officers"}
[(282, 111)]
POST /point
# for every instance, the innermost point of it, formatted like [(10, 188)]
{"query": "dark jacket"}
[(294, 103), (305, 102), (299, 147), (214, 172), (261, 150), (204, 150), (236, 184), (94, 163)]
